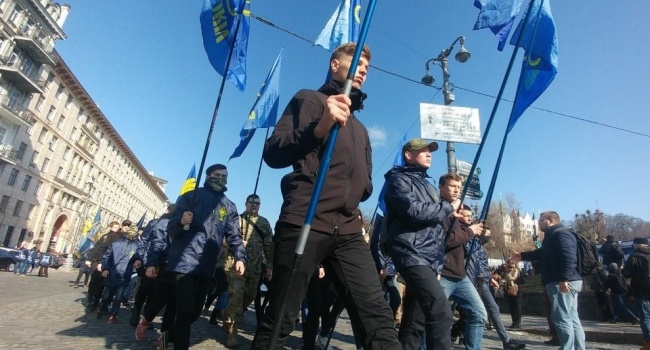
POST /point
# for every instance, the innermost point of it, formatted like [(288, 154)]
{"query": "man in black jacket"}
[(611, 252), (637, 267), (335, 239)]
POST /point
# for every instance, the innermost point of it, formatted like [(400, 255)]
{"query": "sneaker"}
[(112, 319), (552, 342), (514, 345), (162, 341), (141, 329)]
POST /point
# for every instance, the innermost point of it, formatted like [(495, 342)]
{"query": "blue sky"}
[(144, 64)]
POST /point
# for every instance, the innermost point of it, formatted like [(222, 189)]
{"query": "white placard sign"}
[(450, 123)]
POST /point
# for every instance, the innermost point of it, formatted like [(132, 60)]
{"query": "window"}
[(12, 177), (30, 211), (30, 130), (46, 163), (68, 103), (66, 153), (59, 172), (26, 182), (37, 190), (15, 14), (40, 103), (19, 205), (59, 125), (50, 113), (34, 158), (4, 202), (21, 151), (73, 134), (53, 143), (49, 81), (80, 116), (41, 136), (60, 92)]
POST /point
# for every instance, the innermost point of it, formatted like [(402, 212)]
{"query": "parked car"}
[(8, 259)]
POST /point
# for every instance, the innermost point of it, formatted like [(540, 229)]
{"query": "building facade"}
[(60, 157)]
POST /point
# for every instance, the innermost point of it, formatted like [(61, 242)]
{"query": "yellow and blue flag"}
[(218, 22), (89, 232), (540, 62), (499, 16), (343, 27), (264, 113), (190, 182)]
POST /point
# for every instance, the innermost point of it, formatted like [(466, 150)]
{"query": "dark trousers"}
[(348, 261), (425, 309), (95, 288), (164, 296), (145, 291), (42, 271), (515, 309), (392, 293), (219, 285), (191, 291), (319, 302), (604, 304), (87, 276)]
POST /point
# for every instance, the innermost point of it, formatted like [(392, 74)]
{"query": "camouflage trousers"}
[(241, 292)]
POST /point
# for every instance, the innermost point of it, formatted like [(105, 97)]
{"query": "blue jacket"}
[(118, 261), (196, 251), (415, 217), (558, 255), (158, 251), (382, 262), (478, 261)]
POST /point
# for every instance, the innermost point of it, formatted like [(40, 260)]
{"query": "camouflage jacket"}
[(259, 245)]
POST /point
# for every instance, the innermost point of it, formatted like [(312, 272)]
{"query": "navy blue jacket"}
[(478, 262), (158, 250), (382, 262), (118, 261), (196, 251), (558, 255), (415, 215)]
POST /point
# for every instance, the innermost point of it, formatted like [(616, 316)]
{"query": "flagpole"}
[(318, 187), (497, 166), (214, 115), (259, 168)]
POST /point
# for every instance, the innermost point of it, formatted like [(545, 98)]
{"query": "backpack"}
[(587, 255)]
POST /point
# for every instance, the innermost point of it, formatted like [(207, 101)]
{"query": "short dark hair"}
[(550, 215), (466, 207), (449, 177), (171, 207), (214, 167), (127, 222), (252, 196)]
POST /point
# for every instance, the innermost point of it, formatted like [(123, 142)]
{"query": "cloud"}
[(377, 136)]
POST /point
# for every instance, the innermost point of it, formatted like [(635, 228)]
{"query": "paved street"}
[(40, 313)]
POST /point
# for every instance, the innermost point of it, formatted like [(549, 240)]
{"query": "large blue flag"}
[(498, 15), (218, 22), (343, 27), (540, 62), (91, 236), (264, 113), (399, 161)]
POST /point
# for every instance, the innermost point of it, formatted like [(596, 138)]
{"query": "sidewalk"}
[(595, 331)]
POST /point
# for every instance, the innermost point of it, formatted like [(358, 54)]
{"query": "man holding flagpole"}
[(335, 240)]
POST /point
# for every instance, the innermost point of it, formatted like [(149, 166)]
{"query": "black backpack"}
[(587, 255)]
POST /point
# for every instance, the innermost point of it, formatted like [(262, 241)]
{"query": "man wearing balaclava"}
[(197, 227)]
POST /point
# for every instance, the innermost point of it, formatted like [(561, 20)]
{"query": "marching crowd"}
[(202, 251)]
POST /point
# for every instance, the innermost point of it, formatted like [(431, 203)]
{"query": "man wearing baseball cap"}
[(416, 242)]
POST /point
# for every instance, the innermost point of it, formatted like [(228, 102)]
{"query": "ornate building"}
[(60, 157)]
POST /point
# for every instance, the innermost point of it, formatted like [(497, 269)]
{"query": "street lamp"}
[(461, 56)]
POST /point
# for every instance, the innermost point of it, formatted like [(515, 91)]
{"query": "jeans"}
[(113, 293), (644, 307), (19, 267), (618, 303), (463, 292), (564, 313), (347, 260), (425, 308), (493, 311)]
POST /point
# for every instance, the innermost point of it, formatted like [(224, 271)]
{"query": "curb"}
[(611, 337)]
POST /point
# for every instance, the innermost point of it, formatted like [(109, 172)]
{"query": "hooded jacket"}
[(196, 250), (415, 217), (637, 267), (348, 180), (558, 255)]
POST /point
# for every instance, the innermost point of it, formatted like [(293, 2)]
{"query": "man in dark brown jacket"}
[(335, 240)]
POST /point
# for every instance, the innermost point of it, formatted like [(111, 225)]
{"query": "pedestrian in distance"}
[(637, 267), (335, 239), (618, 292), (611, 252)]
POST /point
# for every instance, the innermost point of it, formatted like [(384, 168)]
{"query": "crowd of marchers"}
[(205, 258)]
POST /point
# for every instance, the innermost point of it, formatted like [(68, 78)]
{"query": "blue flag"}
[(540, 62), (190, 182), (140, 223), (218, 22), (343, 27), (399, 161), (92, 234), (264, 113), (498, 15)]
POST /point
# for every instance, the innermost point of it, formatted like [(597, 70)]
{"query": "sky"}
[(144, 64)]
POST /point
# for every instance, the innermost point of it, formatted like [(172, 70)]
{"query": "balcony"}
[(7, 154), (22, 72), (11, 110), (35, 42)]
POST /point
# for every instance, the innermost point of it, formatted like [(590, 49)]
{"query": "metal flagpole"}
[(214, 115), (318, 187)]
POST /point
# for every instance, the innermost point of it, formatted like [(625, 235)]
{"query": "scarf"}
[(334, 87), (218, 184)]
